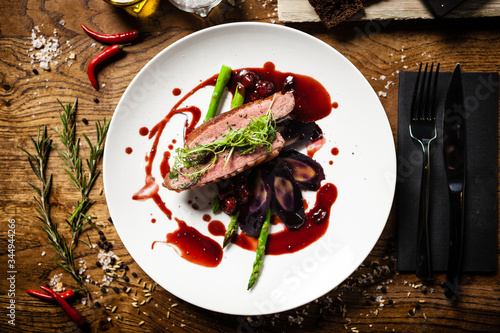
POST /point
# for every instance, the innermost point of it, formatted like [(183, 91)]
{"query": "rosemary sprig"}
[(259, 133), (74, 165), (84, 181), (38, 162)]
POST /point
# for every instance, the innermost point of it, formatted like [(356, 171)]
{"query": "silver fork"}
[(423, 130)]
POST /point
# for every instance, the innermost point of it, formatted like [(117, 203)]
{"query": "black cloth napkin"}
[(480, 198), (442, 7)]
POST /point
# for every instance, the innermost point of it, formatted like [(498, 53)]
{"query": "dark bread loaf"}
[(332, 12)]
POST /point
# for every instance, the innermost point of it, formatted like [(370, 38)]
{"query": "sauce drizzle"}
[(193, 246)]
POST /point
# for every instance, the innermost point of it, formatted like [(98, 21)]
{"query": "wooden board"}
[(290, 11)]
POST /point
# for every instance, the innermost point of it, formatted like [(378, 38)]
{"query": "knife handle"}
[(456, 241), (423, 270)]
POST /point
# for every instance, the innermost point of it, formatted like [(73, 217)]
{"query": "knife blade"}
[(454, 160)]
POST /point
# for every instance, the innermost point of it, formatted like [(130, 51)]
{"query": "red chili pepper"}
[(104, 55), (72, 313), (121, 38), (42, 295)]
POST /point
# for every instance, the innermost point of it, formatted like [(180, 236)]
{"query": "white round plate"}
[(363, 171)]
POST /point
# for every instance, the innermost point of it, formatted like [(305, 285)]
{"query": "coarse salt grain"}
[(47, 48)]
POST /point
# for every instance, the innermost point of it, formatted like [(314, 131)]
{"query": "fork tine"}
[(426, 103), (413, 110), (433, 95), (421, 103)]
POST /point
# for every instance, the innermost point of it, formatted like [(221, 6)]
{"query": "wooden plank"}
[(290, 11)]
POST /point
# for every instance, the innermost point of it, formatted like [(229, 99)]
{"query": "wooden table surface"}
[(387, 302)]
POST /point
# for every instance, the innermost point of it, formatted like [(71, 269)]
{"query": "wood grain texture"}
[(375, 298), (301, 11)]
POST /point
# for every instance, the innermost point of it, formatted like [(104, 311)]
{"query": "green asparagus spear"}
[(231, 229), (222, 80), (261, 249), (239, 96)]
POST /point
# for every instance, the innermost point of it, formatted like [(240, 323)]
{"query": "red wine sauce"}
[(193, 246), (289, 241)]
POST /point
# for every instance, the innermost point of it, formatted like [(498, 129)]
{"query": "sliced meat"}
[(215, 128), (240, 117)]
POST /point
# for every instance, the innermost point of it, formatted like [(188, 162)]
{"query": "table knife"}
[(454, 160)]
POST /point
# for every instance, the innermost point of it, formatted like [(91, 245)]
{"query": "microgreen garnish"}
[(261, 132)]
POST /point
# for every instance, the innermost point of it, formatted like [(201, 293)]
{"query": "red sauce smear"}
[(289, 241), (216, 228), (313, 146), (193, 246), (128, 150), (164, 165), (312, 101), (150, 191), (143, 131)]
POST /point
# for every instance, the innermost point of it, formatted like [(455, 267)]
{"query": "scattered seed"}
[(134, 304), (425, 316), (139, 281), (145, 313), (135, 299), (168, 314), (147, 294), (114, 309), (149, 299), (174, 305), (143, 302), (376, 312), (141, 323), (422, 301), (144, 284), (127, 290)]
